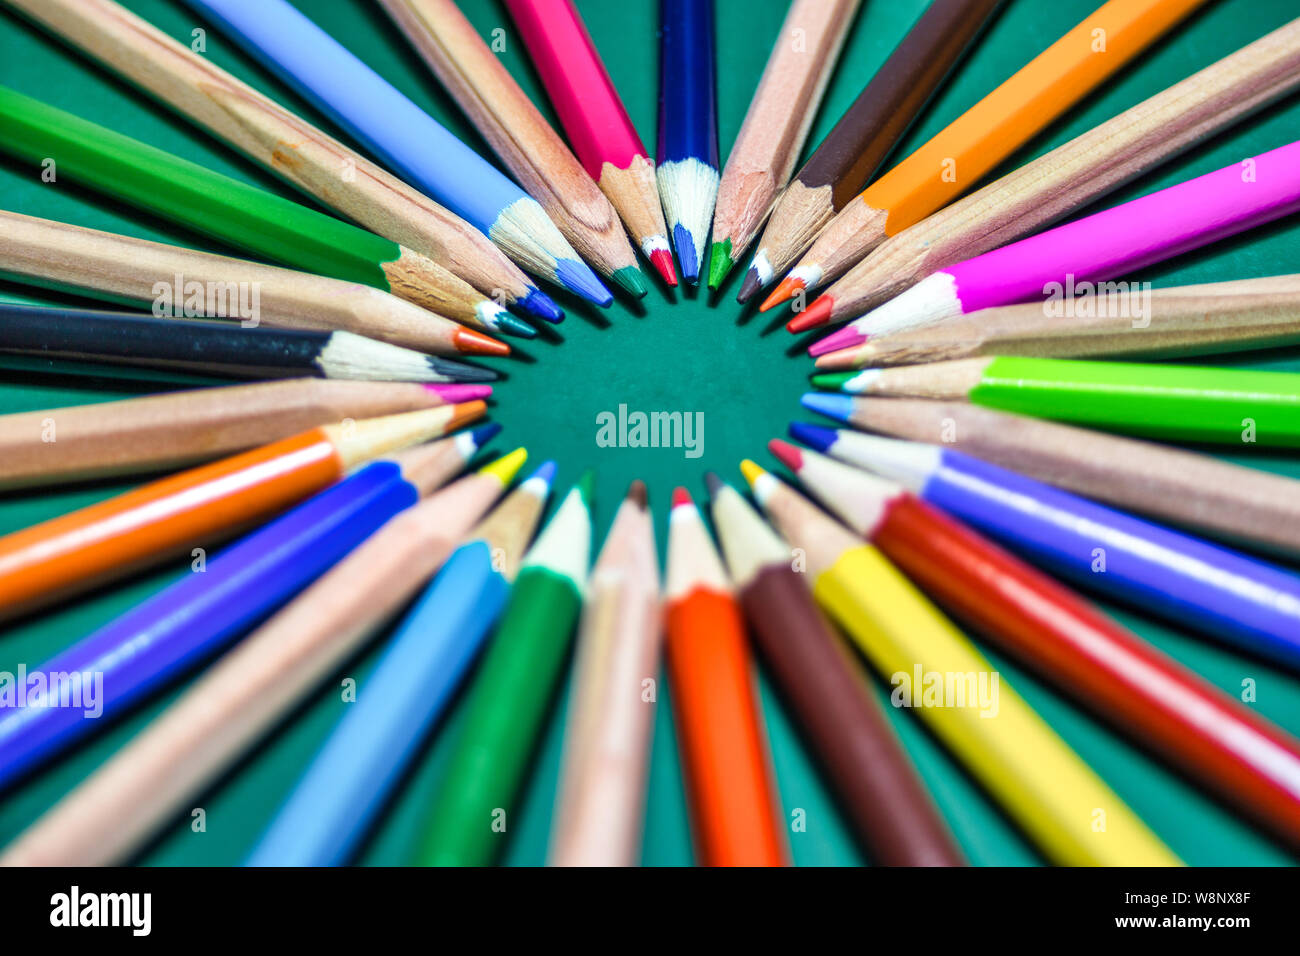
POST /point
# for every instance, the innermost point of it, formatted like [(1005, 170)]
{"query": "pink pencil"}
[(598, 127), (1097, 248)]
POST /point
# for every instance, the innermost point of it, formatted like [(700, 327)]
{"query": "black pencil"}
[(217, 348)]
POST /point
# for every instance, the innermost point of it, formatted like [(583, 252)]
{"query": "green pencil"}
[(239, 215), (1176, 402), (474, 806)]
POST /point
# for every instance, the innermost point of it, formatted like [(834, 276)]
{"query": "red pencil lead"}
[(786, 454), (819, 313), (681, 497), (662, 260)]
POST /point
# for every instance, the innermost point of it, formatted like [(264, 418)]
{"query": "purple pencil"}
[(1100, 247), (1235, 598)]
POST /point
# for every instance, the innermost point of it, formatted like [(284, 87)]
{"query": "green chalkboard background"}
[(678, 351)]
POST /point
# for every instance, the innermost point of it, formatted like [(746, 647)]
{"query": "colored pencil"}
[(114, 812), (91, 546), (174, 429), (217, 348), (1012, 752), (1210, 736), (245, 217), (960, 155), (601, 795), (527, 145), (593, 117), (506, 706), (407, 139), (1235, 598), (175, 282), (864, 137), (883, 795), (234, 112), (776, 124), (1183, 320), (1076, 174), (346, 786), (1110, 243), (191, 620), (1174, 402), (1183, 488), (735, 809), (687, 168)]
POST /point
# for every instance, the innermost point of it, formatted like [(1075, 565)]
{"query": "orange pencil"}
[(96, 544), (734, 806), (960, 155)]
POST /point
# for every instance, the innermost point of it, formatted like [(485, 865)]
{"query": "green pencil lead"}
[(631, 279), (586, 486), (720, 262), (832, 380)]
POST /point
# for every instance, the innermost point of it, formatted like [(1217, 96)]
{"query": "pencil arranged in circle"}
[(601, 792), (1183, 488), (337, 176), (1126, 323), (178, 282), (506, 706), (408, 140), (1113, 242), (186, 623), (351, 778), (1075, 174), (959, 156), (1222, 744), (243, 216), (687, 168), (118, 809), (91, 546), (154, 432), (882, 793), (217, 348), (776, 124), (505, 116), (735, 809), (1189, 403), (1034, 775), (858, 145), (1233, 597), (595, 121)]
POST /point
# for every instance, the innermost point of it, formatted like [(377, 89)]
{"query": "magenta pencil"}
[(595, 121), (1096, 248)]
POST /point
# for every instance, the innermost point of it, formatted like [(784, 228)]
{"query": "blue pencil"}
[(1228, 595), (332, 807), (192, 619), (687, 162), (412, 143)]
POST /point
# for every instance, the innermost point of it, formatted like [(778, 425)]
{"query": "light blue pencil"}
[(403, 136), (336, 801)]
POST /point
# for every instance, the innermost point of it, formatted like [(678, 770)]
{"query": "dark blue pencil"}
[(687, 163)]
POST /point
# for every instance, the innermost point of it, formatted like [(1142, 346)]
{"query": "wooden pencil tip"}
[(785, 290), (681, 497), (817, 314), (638, 494)]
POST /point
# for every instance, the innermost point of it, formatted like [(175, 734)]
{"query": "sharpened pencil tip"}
[(545, 472), (786, 454), (832, 381), (638, 494), (814, 436), (687, 254), (476, 343), (538, 303), (455, 394), (631, 280), (578, 278), (586, 487), (785, 290), (484, 433), (506, 467), (752, 471), (458, 371), (681, 497), (713, 483), (817, 314), (831, 404), (847, 337), (465, 412), (720, 263), (662, 260), (512, 325), (751, 284)]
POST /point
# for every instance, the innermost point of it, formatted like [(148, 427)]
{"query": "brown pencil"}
[(776, 125), (1071, 176), (1185, 488), (178, 282), (1183, 320), (108, 817), (314, 162), (853, 152), (519, 135), (178, 429)]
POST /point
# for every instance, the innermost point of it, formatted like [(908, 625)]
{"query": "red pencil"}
[(724, 749), (597, 125), (1245, 759)]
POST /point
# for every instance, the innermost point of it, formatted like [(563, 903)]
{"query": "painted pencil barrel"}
[(503, 718), (193, 618), (1180, 403), (347, 784)]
